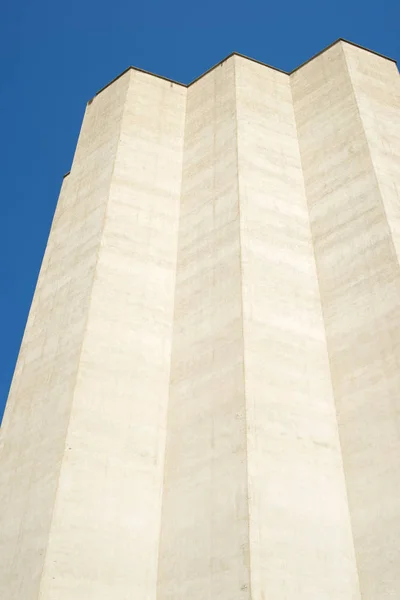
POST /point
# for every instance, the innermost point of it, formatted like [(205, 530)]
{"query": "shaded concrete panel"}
[(359, 280), (104, 539), (296, 481), (204, 536), (375, 489), (37, 415), (376, 86)]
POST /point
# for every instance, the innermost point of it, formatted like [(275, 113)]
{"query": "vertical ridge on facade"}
[(359, 286)]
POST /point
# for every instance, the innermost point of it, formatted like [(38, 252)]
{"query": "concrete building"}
[(206, 404)]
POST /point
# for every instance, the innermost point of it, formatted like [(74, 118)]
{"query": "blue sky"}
[(55, 56)]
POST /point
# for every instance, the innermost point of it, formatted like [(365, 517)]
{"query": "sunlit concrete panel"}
[(296, 480), (204, 551), (345, 104), (38, 411), (84, 432), (106, 522)]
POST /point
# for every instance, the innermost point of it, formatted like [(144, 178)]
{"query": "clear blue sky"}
[(55, 56)]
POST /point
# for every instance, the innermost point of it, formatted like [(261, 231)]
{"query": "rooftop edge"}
[(242, 56)]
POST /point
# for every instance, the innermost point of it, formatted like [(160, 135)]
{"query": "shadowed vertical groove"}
[(84, 329), (241, 269)]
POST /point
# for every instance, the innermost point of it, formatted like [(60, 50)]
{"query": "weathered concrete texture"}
[(345, 102), (296, 482), (204, 543), (38, 411), (84, 430), (206, 401), (110, 485)]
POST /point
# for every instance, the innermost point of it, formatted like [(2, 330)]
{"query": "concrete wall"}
[(204, 543), (109, 497), (296, 481), (348, 134), (206, 401), (373, 454), (93, 375), (39, 406)]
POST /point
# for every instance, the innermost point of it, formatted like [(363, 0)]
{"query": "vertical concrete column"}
[(116, 251), (374, 452), (204, 550), (35, 423), (347, 112), (300, 536), (109, 496)]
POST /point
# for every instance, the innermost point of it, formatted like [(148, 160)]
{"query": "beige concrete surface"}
[(204, 542), (206, 400), (110, 484), (83, 453), (347, 111), (36, 420), (296, 481), (373, 456)]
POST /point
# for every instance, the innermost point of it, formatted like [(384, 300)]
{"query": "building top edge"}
[(334, 44), (247, 58)]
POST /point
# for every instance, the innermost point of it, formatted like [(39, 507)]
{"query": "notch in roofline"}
[(242, 56)]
